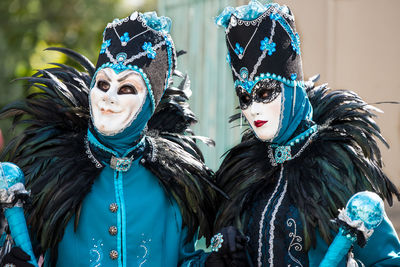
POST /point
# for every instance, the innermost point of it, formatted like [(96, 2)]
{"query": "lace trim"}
[(91, 156), (236, 21), (272, 226), (261, 224)]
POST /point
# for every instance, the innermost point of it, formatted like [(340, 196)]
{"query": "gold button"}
[(112, 230), (113, 207), (113, 254)]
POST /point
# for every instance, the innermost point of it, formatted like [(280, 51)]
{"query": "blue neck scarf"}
[(126, 139), (291, 119)]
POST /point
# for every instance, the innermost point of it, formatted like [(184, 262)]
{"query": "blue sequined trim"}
[(169, 50), (303, 135), (248, 85)]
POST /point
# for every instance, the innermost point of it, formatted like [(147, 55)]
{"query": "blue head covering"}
[(292, 117), (124, 140)]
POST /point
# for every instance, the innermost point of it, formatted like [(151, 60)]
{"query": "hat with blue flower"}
[(140, 42), (262, 43)]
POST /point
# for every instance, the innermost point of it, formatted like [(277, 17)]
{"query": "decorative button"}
[(112, 230), (113, 207), (114, 254)]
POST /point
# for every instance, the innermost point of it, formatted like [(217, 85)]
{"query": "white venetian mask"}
[(262, 108), (116, 100)]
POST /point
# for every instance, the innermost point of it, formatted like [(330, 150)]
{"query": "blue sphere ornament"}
[(10, 174), (367, 207)]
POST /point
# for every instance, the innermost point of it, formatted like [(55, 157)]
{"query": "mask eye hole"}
[(103, 85), (245, 99), (127, 89), (264, 94), (267, 91)]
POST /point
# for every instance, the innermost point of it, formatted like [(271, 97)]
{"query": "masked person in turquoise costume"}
[(308, 149), (131, 189)]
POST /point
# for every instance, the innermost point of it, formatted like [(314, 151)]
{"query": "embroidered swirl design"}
[(296, 240), (146, 251), (143, 259), (96, 254)]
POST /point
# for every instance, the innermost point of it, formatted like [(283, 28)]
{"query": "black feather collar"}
[(58, 166)]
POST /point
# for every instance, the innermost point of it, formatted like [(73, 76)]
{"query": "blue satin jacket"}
[(127, 219)]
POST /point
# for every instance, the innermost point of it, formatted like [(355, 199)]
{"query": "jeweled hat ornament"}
[(140, 42), (262, 44)]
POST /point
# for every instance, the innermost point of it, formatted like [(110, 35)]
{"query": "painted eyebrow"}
[(125, 76), (108, 77)]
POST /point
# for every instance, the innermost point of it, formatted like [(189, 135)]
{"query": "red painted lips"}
[(259, 123)]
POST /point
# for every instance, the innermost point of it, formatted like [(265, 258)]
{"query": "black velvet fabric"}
[(288, 234), (156, 69), (284, 61)]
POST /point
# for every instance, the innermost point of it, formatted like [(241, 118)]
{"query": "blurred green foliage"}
[(27, 27)]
